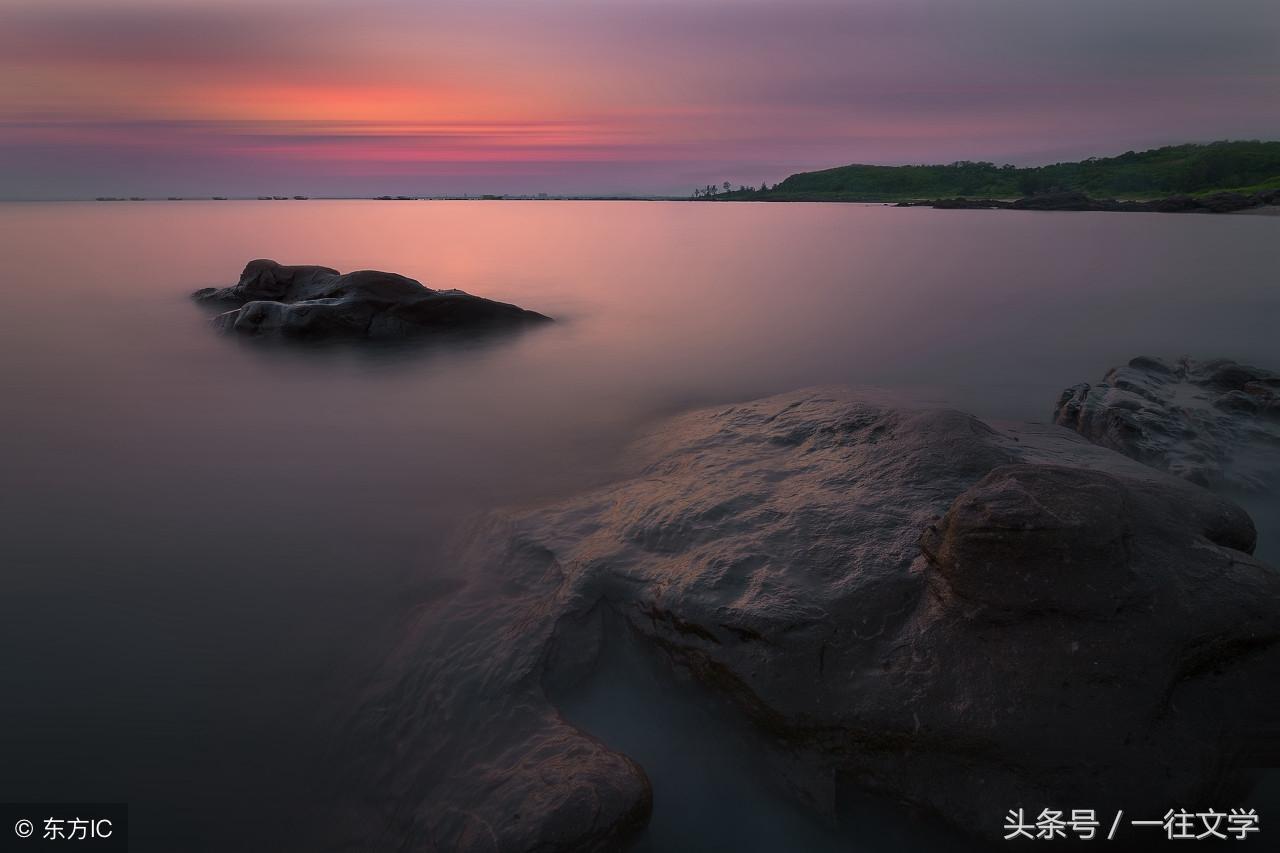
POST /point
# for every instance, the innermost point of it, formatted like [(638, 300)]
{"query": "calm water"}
[(207, 545)]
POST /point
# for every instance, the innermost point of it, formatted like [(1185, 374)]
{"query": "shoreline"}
[(1265, 210), (1219, 202), (1261, 204)]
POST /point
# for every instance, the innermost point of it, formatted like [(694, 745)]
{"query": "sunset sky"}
[(235, 97)]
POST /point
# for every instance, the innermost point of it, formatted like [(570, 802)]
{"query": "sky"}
[(320, 97)]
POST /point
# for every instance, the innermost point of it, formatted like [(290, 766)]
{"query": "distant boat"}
[(219, 198)]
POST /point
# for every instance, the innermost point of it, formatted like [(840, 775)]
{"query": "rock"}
[(1225, 202), (969, 204), (964, 617), (1267, 197), (1216, 423), (1174, 204), (1064, 201), (318, 303)]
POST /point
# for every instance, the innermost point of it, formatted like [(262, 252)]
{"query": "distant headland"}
[(1247, 169)]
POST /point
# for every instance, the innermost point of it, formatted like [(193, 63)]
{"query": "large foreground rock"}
[(316, 303), (1216, 423), (966, 618)]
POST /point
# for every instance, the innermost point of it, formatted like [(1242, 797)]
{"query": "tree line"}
[(1241, 165), (725, 189)]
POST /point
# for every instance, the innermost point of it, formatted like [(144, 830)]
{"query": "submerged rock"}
[(967, 618), (317, 303), (1216, 423)]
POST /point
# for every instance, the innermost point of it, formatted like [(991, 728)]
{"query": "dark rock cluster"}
[(1223, 202), (1216, 423), (318, 303)]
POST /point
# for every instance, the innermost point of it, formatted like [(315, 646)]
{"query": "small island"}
[(319, 303)]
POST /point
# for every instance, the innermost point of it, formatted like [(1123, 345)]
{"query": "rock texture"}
[(964, 617), (318, 303), (1216, 423)]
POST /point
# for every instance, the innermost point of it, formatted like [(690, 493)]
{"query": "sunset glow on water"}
[(581, 426), (186, 486)]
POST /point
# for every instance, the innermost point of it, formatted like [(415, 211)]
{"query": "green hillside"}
[(1165, 171)]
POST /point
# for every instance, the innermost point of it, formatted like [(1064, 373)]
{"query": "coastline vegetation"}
[(1243, 166)]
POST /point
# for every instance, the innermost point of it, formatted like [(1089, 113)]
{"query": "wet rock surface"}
[(318, 303), (1216, 423), (968, 618)]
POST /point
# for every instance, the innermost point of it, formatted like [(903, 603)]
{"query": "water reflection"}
[(208, 545)]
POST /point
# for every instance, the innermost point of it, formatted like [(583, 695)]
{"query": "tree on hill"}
[(1160, 171)]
